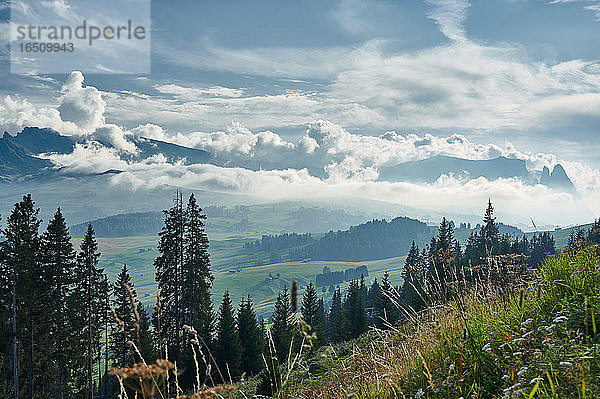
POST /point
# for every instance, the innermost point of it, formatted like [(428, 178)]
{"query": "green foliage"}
[(121, 354), (539, 340), (283, 325), (227, 344), (313, 313), (250, 338), (376, 239), (354, 312)]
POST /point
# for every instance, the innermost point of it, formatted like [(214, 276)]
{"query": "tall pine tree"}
[(22, 261), (196, 277), (169, 265), (89, 304), (227, 344), (313, 313), (58, 262), (354, 311), (121, 353), (283, 325), (250, 337)]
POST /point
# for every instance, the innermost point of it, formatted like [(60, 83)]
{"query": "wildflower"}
[(527, 334), (560, 319), (567, 364)]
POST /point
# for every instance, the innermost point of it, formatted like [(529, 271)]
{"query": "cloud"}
[(81, 105), (188, 93), (515, 200), (115, 136), (591, 5), (16, 114), (450, 16)]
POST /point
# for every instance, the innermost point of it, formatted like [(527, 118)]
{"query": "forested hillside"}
[(377, 239)]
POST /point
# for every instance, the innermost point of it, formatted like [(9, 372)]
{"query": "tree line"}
[(377, 239), (64, 325)]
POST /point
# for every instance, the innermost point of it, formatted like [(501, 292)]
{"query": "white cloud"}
[(81, 105), (515, 200), (115, 136), (15, 114), (188, 93), (450, 16)]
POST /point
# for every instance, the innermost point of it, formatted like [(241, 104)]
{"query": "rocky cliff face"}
[(557, 180)]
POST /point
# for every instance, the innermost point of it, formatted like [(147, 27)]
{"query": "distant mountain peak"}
[(558, 179)]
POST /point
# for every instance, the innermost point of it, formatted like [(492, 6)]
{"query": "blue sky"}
[(519, 75), (328, 51)]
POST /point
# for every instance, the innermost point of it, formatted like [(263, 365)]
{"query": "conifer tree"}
[(489, 231), (58, 262), (227, 345), (147, 343), (22, 262), (373, 294), (121, 353), (250, 337), (283, 325), (313, 313), (387, 311), (413, 276), (88, 304), (169, 266), (197, 279), (354, 312), (336, 318)]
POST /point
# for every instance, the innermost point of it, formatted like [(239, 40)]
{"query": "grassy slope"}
[(539, 342)]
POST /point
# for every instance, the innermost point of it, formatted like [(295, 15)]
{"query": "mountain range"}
[(430, 169), (19, 160)]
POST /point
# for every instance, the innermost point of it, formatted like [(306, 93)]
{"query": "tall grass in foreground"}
[(537, 340)]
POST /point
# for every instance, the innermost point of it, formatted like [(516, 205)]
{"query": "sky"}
[(354, 84)]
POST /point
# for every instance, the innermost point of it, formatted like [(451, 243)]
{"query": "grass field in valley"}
[(226, 251)]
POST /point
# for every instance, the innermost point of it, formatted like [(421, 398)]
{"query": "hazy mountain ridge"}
[(430, 169), (18, 159)]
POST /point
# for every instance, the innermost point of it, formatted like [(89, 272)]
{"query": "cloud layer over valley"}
[(327, 162)]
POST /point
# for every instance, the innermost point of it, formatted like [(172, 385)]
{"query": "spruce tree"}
[(169, 266), (387, 311), (250, 337), (413, 279), (354, 312), (283, 325), (489, 231), (313, 313), (336, 318), (89, 308), (227, 344), (22, 262), (58, 262), (196, 278), (373, 294), (147, 344), (122, 355)]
